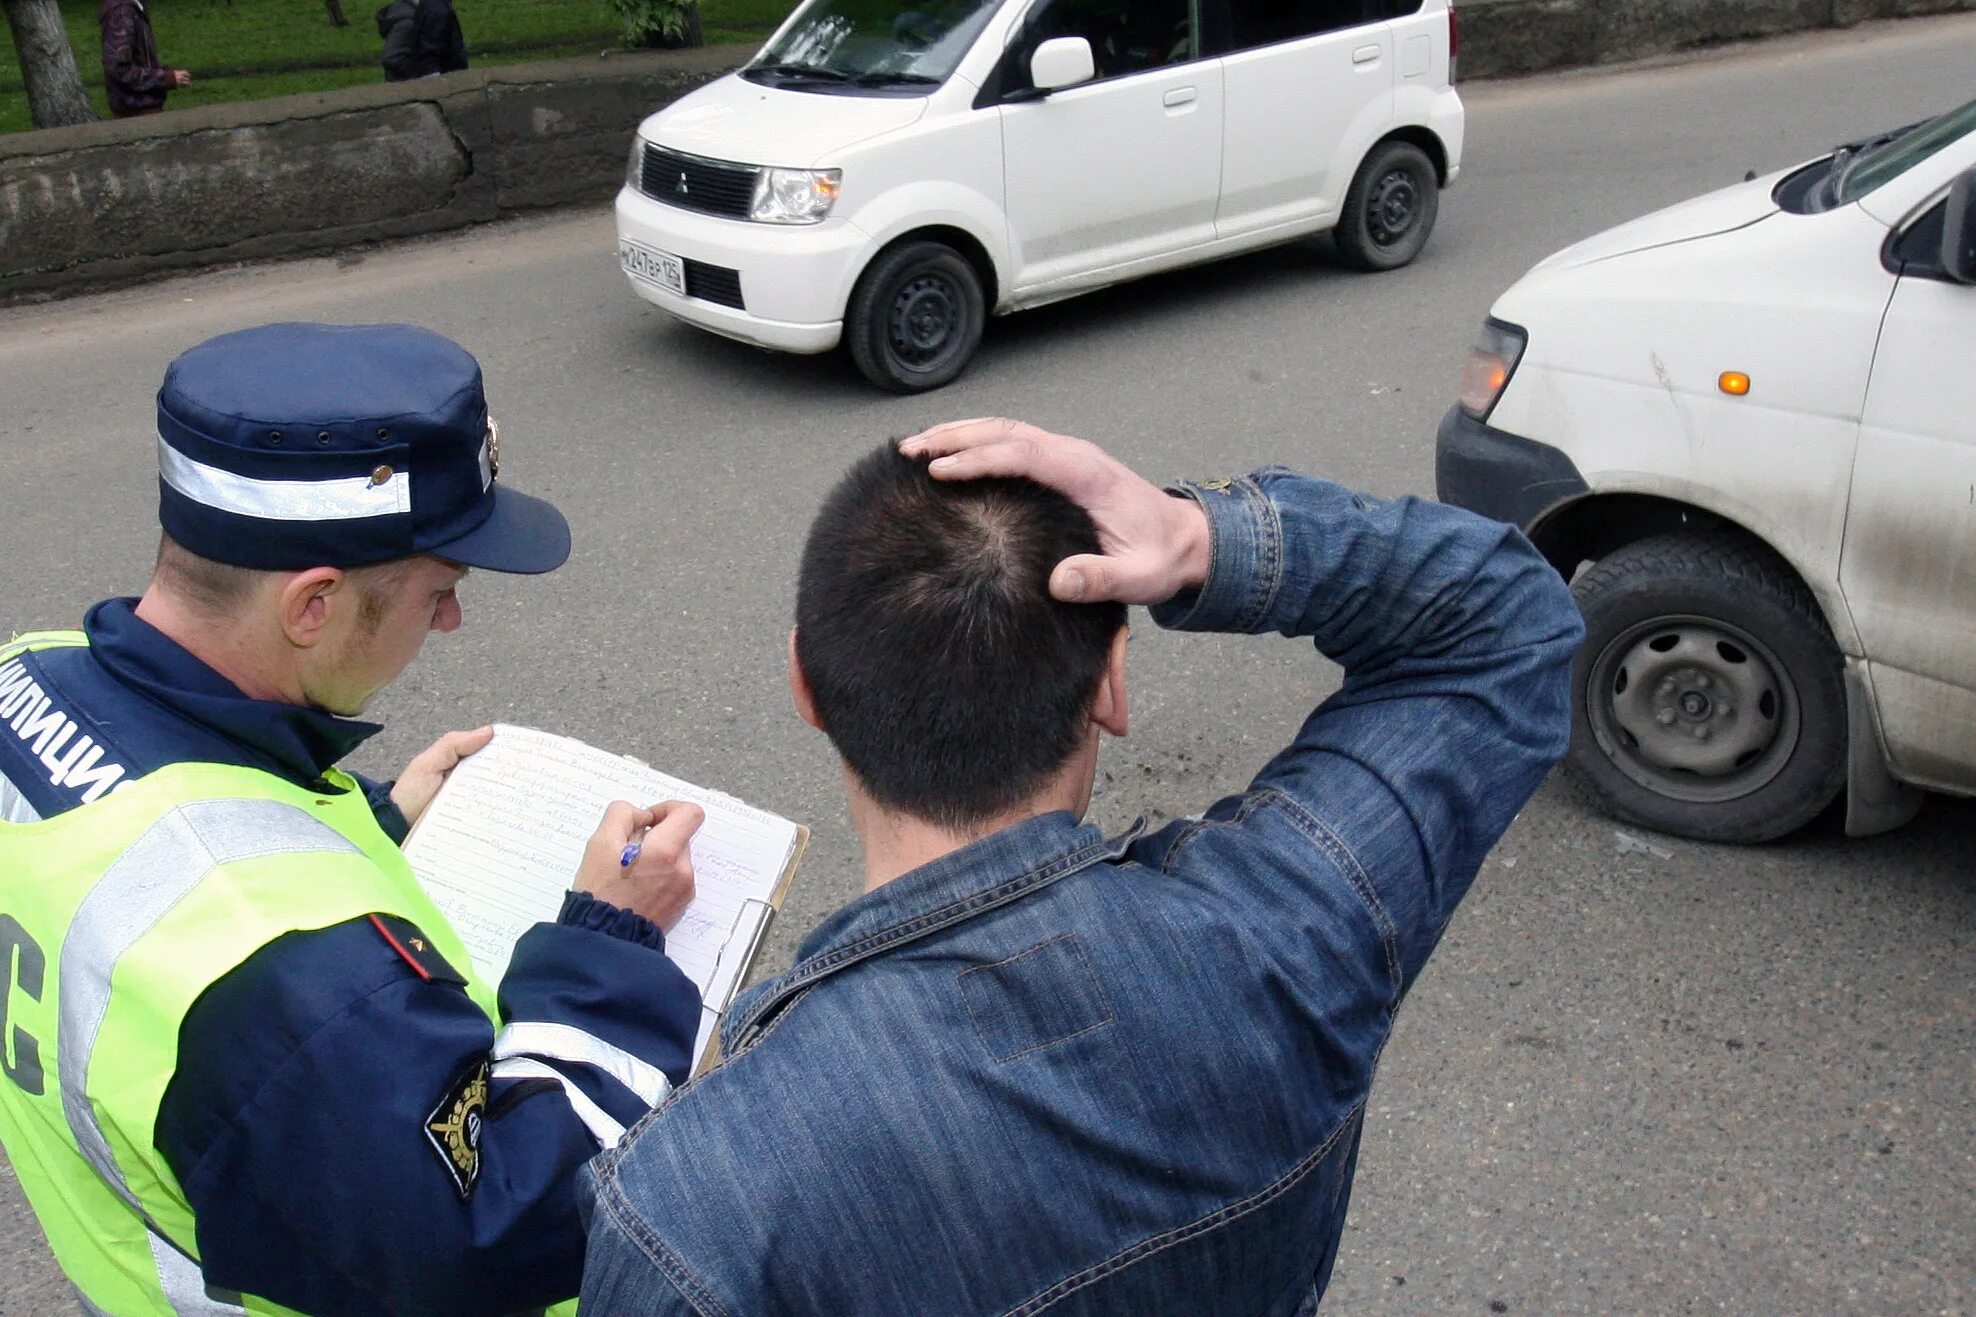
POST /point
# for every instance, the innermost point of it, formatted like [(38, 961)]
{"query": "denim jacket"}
[(1052, 1072)]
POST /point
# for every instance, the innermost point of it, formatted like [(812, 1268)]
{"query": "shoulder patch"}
[(416, 949), (453, 1129)]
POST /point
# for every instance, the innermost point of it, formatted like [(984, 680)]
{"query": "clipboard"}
[(496, 847), (746, 946)]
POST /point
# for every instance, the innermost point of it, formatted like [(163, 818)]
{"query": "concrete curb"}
[(108, 203)]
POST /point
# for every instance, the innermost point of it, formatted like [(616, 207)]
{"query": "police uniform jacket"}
[(305, 1118)]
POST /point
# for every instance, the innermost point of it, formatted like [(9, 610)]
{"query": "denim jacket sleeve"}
[(1456, 639)]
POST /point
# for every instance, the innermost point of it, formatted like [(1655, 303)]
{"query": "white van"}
[(886, 173), (1754, 416)]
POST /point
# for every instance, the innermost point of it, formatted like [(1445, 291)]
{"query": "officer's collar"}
[(298, 743)]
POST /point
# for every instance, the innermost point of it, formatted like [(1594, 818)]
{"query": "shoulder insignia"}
[(453, 1129), (416, 949)]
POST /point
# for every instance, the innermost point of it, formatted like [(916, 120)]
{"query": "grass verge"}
[(240, 50)]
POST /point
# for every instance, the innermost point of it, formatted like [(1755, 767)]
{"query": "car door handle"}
[(1365, 54), (1180, 96)]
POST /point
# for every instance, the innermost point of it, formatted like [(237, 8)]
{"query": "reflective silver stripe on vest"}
[(159, 870), (184, 1286), (563, 1042), (13, 805)]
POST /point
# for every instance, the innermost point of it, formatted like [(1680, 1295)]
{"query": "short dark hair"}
[(950, 681)]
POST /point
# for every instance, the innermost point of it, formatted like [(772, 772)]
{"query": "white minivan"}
[(1746, 428), (887, 173)]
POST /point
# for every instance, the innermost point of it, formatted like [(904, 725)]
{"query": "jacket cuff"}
[(1245, 559), (389, 817), (582, 910)]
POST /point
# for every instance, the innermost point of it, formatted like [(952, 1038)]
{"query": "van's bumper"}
[(1499, 474), (794, 279)]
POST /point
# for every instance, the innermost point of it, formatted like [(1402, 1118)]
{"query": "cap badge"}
[(380, 475), (493, 448)]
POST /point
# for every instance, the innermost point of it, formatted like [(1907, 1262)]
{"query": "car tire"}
[(1709, 699), (1390, 208), (916, 317)]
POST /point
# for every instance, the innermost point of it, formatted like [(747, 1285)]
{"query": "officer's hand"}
[(1153, 545), (180, 78), (658, 884), (423, 777)]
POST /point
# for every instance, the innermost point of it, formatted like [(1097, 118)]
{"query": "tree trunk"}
[(54, 87), (335, 8)]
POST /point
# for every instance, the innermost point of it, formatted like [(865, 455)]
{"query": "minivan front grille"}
[(714, 283), (691, 182)]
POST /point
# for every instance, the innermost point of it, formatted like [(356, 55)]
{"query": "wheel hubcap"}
[(1391, 207), (1693, 709), (924, 317)]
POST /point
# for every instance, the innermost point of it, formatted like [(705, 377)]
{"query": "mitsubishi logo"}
[(680, 187)]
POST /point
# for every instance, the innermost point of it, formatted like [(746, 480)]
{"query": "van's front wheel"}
[(1709, 698), (1390, 209), (916, 317)]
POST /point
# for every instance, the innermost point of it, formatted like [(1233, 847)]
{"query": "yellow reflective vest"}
[(114, 918)]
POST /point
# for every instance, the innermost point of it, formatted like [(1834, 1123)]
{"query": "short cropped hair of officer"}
[(247, 1064)]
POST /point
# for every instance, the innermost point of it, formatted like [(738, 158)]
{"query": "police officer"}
[(247, 1065)]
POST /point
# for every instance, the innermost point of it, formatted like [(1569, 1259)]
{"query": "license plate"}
[(652, 265)]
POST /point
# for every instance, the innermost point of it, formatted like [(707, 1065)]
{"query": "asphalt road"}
[(1726, 1079)]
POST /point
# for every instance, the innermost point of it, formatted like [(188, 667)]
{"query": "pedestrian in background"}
[(135, 78), (421, 38)]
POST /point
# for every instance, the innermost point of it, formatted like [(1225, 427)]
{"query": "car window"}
[(1126, 36), (1253, 23)]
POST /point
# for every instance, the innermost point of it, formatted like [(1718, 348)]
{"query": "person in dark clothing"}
[(421, 38), (135, 78)]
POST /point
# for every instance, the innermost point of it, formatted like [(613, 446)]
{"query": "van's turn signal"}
[(1734, 383)]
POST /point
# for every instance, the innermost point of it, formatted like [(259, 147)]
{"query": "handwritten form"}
[(500, 844)]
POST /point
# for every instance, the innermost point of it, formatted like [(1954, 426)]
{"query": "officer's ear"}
[(306, 603)]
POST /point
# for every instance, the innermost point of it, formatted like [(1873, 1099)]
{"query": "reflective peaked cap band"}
[(338, 498), (292, 446)]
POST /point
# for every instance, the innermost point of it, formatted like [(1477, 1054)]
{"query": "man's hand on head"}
[(658, 883), (423, 777), (1154, 546)]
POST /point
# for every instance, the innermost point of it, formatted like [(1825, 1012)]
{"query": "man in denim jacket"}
[(1031, 1069)]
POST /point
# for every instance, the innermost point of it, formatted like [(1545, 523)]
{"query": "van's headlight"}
[(795, 196), (634, 168), (1490, 363)]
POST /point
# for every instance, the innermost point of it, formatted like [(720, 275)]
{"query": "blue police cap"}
[(292, 446)]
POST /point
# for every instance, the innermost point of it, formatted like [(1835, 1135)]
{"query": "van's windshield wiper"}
[(815, 72), (1845, 157)]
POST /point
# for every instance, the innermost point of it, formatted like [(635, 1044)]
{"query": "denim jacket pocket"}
[(1035, 999)]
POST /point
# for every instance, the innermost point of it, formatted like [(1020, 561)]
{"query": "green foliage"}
[(241, 50), (668, 23)]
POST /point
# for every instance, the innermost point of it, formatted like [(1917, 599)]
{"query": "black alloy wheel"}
[(916, 317), (1709, 698), (1390, 208)]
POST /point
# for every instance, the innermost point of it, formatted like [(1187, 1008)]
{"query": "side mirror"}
[(1061, 62), (1959, 231)]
